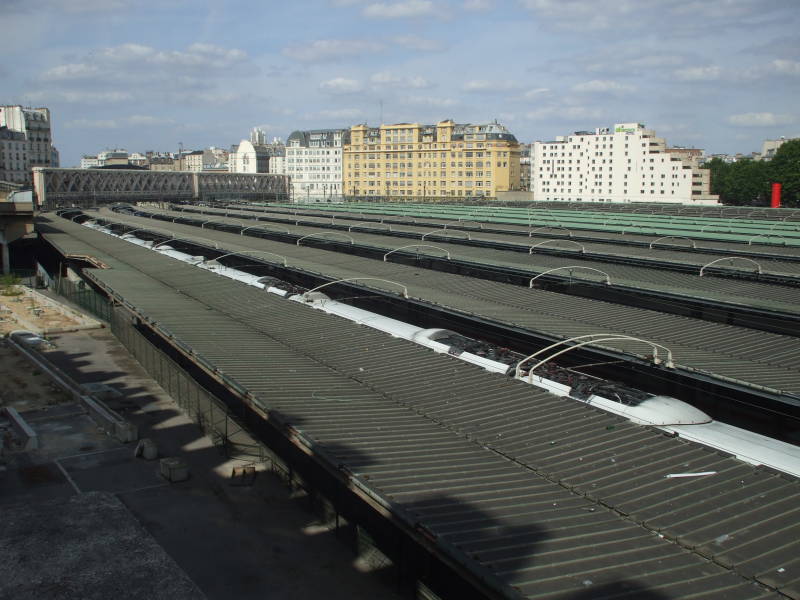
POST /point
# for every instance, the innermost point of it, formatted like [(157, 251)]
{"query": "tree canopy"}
[(748, 182)]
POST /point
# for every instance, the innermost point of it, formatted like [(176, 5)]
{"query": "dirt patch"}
[(24, 311), (23, 385)]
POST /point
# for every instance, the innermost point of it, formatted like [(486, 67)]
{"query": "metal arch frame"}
[(285, 260), (765, 235), (596, 338), (703, 228), (319, 287), (352, 241), (445, 230), (543, 242), (532, 231), (248, 227), (138, 229), (416, 246), (350, 228), (758, 266), (608, 277), (193, 240), (674, 237)]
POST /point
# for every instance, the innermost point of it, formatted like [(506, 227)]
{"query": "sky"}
[(722, 75)]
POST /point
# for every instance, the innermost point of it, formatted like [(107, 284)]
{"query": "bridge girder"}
[(81, 187)]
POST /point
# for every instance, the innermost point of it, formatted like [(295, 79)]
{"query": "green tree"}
[(784, 168), (719, 175), (743, 183)]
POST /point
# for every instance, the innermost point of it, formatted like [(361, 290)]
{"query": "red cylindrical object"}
[(776, 195)]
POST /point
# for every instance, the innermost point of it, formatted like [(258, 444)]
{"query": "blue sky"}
[(722, 75)]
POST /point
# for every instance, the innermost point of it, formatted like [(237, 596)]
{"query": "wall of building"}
[(34, 126), (625, 164), (416, 160), (314, 163), (249, 158)]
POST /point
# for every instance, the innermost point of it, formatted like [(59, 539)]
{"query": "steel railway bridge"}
[(87, 188)]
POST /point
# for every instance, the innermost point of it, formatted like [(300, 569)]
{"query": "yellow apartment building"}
[(419, 161)]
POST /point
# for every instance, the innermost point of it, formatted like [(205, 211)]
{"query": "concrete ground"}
[(243, 542)]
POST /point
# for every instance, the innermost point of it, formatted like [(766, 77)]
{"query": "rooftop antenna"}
[(380, 102)]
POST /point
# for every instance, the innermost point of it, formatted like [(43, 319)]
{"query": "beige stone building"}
[(413, 160), (193, 161)]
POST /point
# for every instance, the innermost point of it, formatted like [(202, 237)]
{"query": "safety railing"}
[(542, 243), (444, 231), (570, 267), (352, 241), (730, 259), (673, 237), (416, 246)]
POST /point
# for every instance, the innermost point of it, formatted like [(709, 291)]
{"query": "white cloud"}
[(536, 93), (564, 113), (147, 120), (484, 85), (786, 67), (341, 85), (339, 114), (581, 14), (764, 119), (388, 79), (73, 6), (415, 42), (710, 73), (131, 121), (80, 96), (91, 124), (327, 50), (70, 71), (602, 85), (205, 56), (400, 10), (478, 5), (135, 63), (429, 101), (688, 16)]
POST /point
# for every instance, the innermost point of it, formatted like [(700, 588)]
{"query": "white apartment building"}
[(625, 164), (314, 164), (249, 158), (34, 125), (89, 161), (277, 165)]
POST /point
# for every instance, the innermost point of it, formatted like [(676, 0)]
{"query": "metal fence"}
[(82, 295), (205, 409)]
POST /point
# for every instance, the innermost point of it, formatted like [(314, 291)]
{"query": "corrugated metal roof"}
[(549, 495), (406, 217), (751, 357), (718, 289)]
